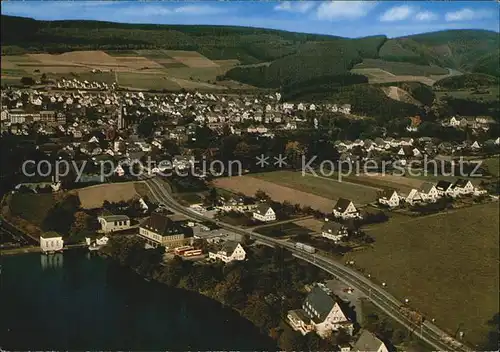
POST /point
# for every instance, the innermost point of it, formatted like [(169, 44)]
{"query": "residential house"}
[(230, 251), (462, 187), (475, 145), (345, 209), (444, 188), (51, 242), (320, 313), (333, 230), (368, 342), (454, 122), (428, 192), (160, 230), (413, 197), (113, 223), (389, 198), (264, 212)]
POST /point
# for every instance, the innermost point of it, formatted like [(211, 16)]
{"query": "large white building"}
[(229, 252), (160, 230), (51, 242), (113, 223)]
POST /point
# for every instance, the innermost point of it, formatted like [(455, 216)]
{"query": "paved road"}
[(427, 331)]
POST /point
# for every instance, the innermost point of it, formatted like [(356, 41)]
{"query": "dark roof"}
[(320, 301), (161, 225), (443, 185), (461, 183), (262, 208), (229, 246), (387, 194), (426, 187), (331, 227), (342, 205), (367, 342)]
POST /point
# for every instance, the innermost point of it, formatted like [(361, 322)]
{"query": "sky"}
[(343, 18)]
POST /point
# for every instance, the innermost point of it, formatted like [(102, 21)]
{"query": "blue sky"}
[(343, 18)]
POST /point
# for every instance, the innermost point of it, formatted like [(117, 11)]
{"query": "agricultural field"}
[(146, 81), (487, 94), (141, 69), (320, 186), (445, 264), (317, 192), (248, 185), (380, 71), (93, 197)]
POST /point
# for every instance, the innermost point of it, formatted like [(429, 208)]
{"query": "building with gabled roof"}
[(428, 192), (263, 212), (345, 209), (228, 252), (160, 230), (390, 198), (320, 313), (333, 230), (368, 342)]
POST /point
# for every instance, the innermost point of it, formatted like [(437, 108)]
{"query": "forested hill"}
[(268, 58), (248, 45)]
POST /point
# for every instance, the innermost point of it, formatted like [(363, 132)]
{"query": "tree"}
[(258, 312), (27, 81), (291, 340)]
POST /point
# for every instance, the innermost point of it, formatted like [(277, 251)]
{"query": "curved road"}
[(427, 331)]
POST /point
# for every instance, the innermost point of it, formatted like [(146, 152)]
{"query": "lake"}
[(80, 301)]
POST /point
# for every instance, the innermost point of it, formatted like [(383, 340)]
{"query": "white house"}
[(475, 145), (319, 313), (454, 122), (51, 242), (413, 197), (428, 192), (229, 251), (264, 212), (497, 141), (389, 198), (333, 230), (345, 209), (444, 188), (113, 223), (369, 342), (461, 187)]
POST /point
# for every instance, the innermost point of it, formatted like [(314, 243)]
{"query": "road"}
[(427, 331)]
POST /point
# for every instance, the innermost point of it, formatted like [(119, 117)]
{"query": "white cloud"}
[(335, 10), (295, 6), (199, 10), (397, 13), (426, 16), (467, 14)]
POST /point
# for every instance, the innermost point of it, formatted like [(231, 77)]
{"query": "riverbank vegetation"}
[(262, 289)]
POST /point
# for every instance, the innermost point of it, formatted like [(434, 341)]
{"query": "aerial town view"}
[(249, 176)]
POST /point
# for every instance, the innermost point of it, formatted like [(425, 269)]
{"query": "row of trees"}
[(260, 289)]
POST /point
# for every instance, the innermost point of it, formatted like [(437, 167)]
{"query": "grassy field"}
[(92, 197), (146, 81), (493, 165), (283, 230), (32, 207), (141, 69), (490, 94), (445, 264), (328, 188), (402, 68)]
